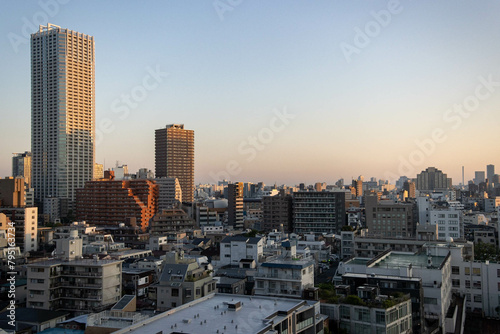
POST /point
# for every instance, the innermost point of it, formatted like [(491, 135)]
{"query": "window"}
[(498, 272), (456, 283), (361, 314), (345, 312), (478, 298), (476, 271), (380, 317), (432, 301), (175, 292), (456, 270), (467, 284), (477, 285), (467, 271)]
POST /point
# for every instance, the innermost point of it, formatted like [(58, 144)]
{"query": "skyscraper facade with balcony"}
[(174, 157), (62, 112)]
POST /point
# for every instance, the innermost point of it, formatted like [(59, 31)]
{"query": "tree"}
[(485, 251)]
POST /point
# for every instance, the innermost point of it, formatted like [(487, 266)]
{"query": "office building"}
[(318, 212), (490, 172), (174, 157), (449, 222), (62, 112), (433, 179), (235, 204), (388, 219), (21, 166), (479, 177)]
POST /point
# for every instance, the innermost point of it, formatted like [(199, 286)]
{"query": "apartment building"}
[(25, 223), (109, 202), (318, 212), (62, 112), (233, 249), (174, 157)]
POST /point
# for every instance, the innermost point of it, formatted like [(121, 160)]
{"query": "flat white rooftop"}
[(211, 313)]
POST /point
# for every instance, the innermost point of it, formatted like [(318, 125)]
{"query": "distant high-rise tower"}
[(433, 179), (21, 166), (62, 112), (479, 177), (235, 204), (410, 187), (174, 157), (490, 171)]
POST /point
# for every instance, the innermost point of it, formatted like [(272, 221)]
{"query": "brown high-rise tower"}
[(174, 157)]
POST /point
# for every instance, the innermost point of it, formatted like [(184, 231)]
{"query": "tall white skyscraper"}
[(62, 112)]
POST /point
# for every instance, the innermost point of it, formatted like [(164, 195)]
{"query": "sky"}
[(282, 91)]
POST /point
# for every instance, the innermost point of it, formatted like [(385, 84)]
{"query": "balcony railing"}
[(279, 277), (303, 324)]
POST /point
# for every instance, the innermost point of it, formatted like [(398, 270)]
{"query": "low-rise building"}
[(181, 282), (374, 313), (236, 314), (80, 285), (233, 249)]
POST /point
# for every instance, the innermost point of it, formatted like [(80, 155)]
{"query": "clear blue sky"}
[(232, 67)]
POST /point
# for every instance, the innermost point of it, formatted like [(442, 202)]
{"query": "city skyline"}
[(284, 93)]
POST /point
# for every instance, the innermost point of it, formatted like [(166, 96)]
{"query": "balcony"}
[(279, 277), (303, 324), (81, 274)]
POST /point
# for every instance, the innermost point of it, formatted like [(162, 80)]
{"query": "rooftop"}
[(395, 260), (288, 263), (358, 260), (212, 312), (77, 262)]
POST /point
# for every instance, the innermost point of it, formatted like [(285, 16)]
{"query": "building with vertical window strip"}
[(62, 112), (174, 157)]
